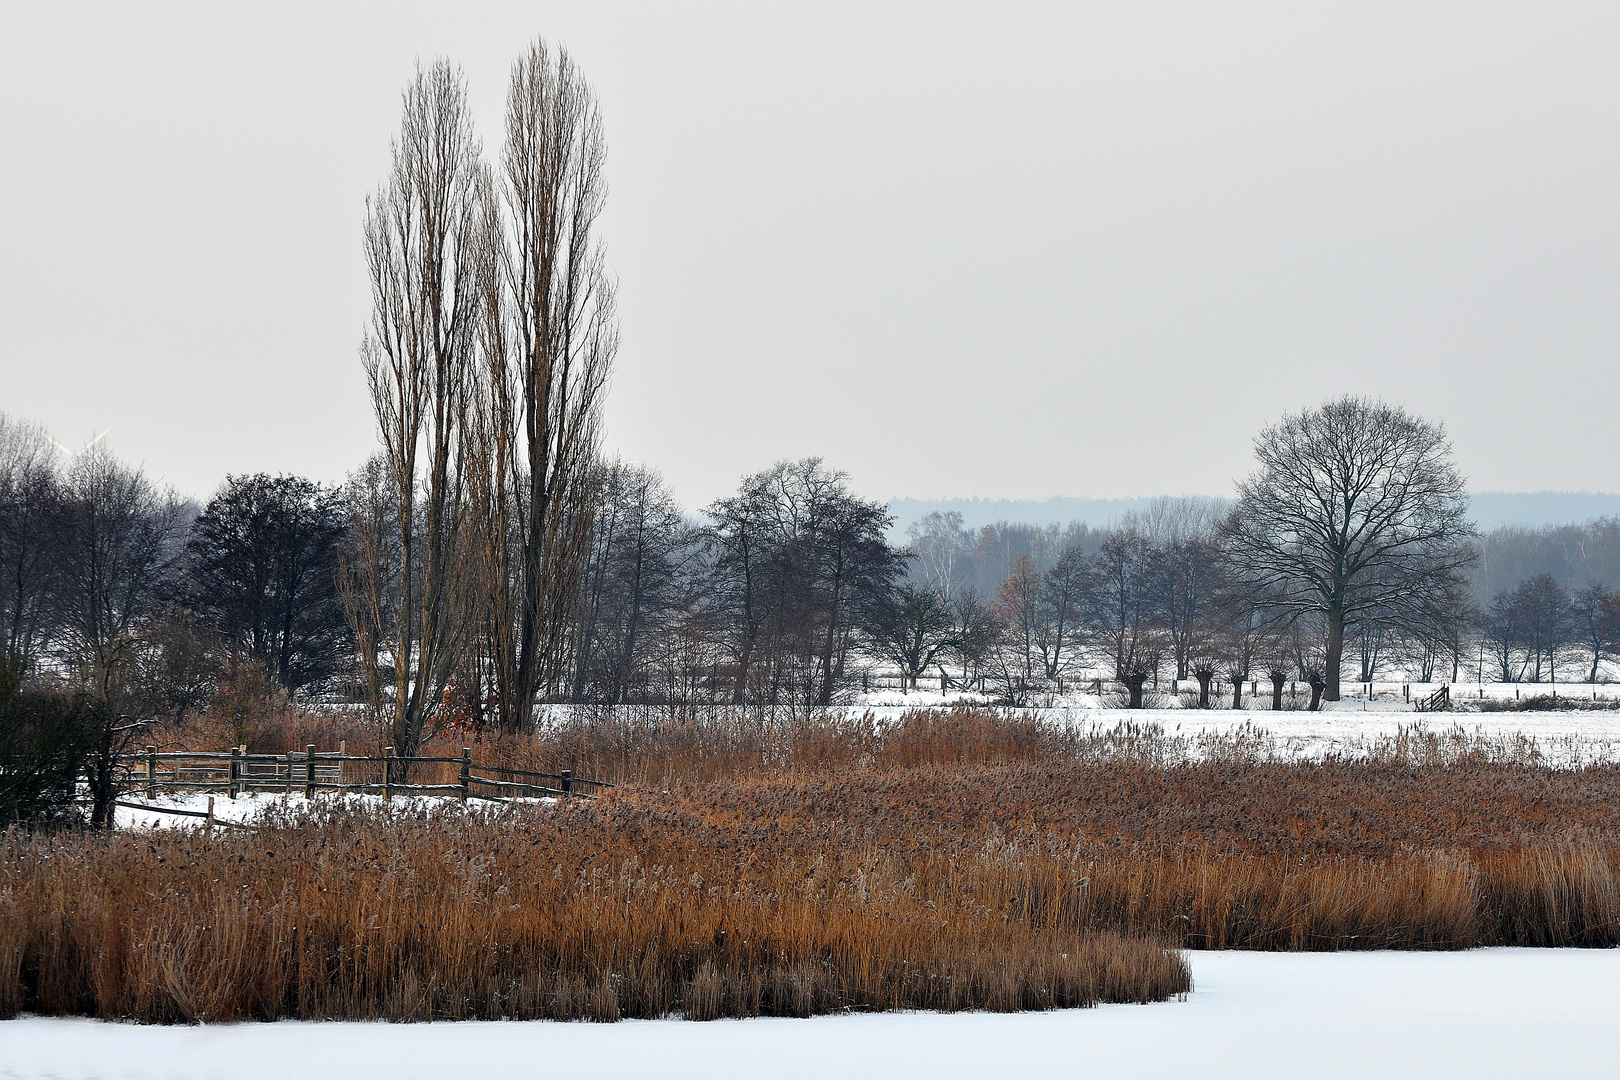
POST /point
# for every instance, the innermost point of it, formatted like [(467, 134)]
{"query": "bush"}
[(44, 740)]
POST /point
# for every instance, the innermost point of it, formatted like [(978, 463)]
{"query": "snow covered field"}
[(1490, 1013), (1346, 727)]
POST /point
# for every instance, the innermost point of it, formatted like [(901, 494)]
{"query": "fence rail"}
[(1439, 701), (234, 772)]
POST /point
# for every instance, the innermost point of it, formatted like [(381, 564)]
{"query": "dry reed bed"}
[(597, 912), (780, 866)]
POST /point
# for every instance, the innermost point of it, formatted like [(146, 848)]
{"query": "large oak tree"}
[(1355, 510)]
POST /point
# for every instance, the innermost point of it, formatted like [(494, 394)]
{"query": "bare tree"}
[(941, 546), (800, 567), (1355, 508), (975, 630), (1182, 531), (1018, 612), (1122, 609), (120, 543), (30, 509), (1541, 612), (1502, 631), (426, 254), (550, 338), (633, 590), (1059, 612), (1589, 609), (914, 628)]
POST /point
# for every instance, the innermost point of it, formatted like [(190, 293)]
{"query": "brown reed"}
[(784, 866), (595, 912)]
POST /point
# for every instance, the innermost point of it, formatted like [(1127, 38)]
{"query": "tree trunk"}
[(1134, 684), (1237, 693), (740, 692), (1317, 686), (1335, 655), (1203, 689), (1276, 692)]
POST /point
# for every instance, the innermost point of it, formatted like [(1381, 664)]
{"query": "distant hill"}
[(1491, 509), (1494, 509)]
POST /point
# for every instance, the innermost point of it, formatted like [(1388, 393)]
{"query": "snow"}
[(1348, 728), (249, 805), (1488, 1013)]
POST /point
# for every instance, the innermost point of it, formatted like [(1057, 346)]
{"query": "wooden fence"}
[(235, 772)]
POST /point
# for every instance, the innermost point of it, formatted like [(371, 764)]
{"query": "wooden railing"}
[(1439, 701), (234, 772)]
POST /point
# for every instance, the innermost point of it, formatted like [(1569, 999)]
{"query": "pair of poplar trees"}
[(491, 338)]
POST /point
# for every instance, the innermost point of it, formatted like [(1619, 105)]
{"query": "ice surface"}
[(1488, 1013)]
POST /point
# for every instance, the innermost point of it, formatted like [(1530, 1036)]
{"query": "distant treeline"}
[(1489, 510), (1573, 555)]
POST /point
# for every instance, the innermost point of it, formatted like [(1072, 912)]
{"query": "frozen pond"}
[(1488, 1013)]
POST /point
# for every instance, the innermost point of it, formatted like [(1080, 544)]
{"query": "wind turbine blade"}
[(60, 447), (98, 438)]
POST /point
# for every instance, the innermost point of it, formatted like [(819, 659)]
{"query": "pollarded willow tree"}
[(1355, 512)]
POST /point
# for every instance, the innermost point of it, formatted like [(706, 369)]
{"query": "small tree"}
[(120, 543), (1058, 611), (30, 529), (1590, 608), (914, 629), (1501, 630), (1541, 611), (261, 572), (1122, 609), (45, 739), (974, 628)]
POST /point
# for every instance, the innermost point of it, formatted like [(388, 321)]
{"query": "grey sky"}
[(1009, 251)]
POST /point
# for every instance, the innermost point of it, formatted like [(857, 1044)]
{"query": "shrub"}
[(44, 741)]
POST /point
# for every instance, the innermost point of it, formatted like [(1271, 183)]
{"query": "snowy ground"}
[(1562, 738), (1395, 697), (247, 806), (1489, 1013)]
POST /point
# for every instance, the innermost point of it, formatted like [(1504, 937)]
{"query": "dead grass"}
[(616, 909), (777, 866)]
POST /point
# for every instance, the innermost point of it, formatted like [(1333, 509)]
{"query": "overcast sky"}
[(1002, 250)]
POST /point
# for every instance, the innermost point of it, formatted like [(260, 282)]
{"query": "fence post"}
[(236, 768), (567, 781), (466, 771), (309, 771), (151, 772), (388, 772), (208, 822)]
